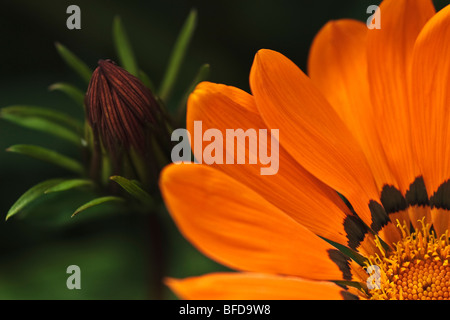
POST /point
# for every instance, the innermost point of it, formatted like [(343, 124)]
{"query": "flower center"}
[(418, 267)]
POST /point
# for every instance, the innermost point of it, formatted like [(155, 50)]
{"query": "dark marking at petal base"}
[(392, 199), (417, 194), (441, 198), (356, 231), (347, 203), (348, 296), (379, 216), (342, 261)]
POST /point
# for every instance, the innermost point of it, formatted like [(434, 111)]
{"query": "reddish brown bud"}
[(119, 108)]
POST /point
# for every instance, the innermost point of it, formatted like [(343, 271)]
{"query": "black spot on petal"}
[(342, 261), (356, 231), (417, 194), (392, 199), (379, 216), (441, 198)]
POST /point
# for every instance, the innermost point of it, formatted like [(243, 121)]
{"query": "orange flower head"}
[(360, 206)]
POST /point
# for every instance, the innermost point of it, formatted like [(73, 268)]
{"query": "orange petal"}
[(389, 51), (292, 188), (310, 129), (252, 286), (430, 97), (338, 67), (237, 227)]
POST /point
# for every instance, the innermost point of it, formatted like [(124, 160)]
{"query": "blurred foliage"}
[(112, 247)]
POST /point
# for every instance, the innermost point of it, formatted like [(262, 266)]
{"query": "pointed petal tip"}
[(265, 53)]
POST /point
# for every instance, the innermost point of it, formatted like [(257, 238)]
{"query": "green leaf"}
[(69, 184), (97, 202), (47, 126), (30, 196), (25, 111), (201, 75), (48, 155), (72, 91), (123, 48), (134, 189), (177, 55), (74, 62)]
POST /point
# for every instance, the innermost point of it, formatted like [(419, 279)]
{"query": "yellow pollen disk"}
[(418, 268)]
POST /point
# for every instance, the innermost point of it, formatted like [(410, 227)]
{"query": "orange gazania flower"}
[(370, 122)]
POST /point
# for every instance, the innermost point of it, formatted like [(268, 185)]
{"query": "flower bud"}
[(120, 108), (128, 123)]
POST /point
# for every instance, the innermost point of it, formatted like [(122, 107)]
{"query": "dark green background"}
[(112, 247)]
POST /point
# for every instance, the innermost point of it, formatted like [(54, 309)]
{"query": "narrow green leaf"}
[(31, 195), (201, 75), (45, 125), (72, 91), (134, 189), (358, 258), (97, 202), (177, 55), (42, 112), (69, 184), (74, 62), (123, 48), (48, 155)]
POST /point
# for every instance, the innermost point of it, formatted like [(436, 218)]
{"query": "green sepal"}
[(96, 202), (133, 188), (71, 91), (74, 62), (177, 56), (69, 184), (46, 126), (28, 111), (31, 195), (123, 48), (48, 155)]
